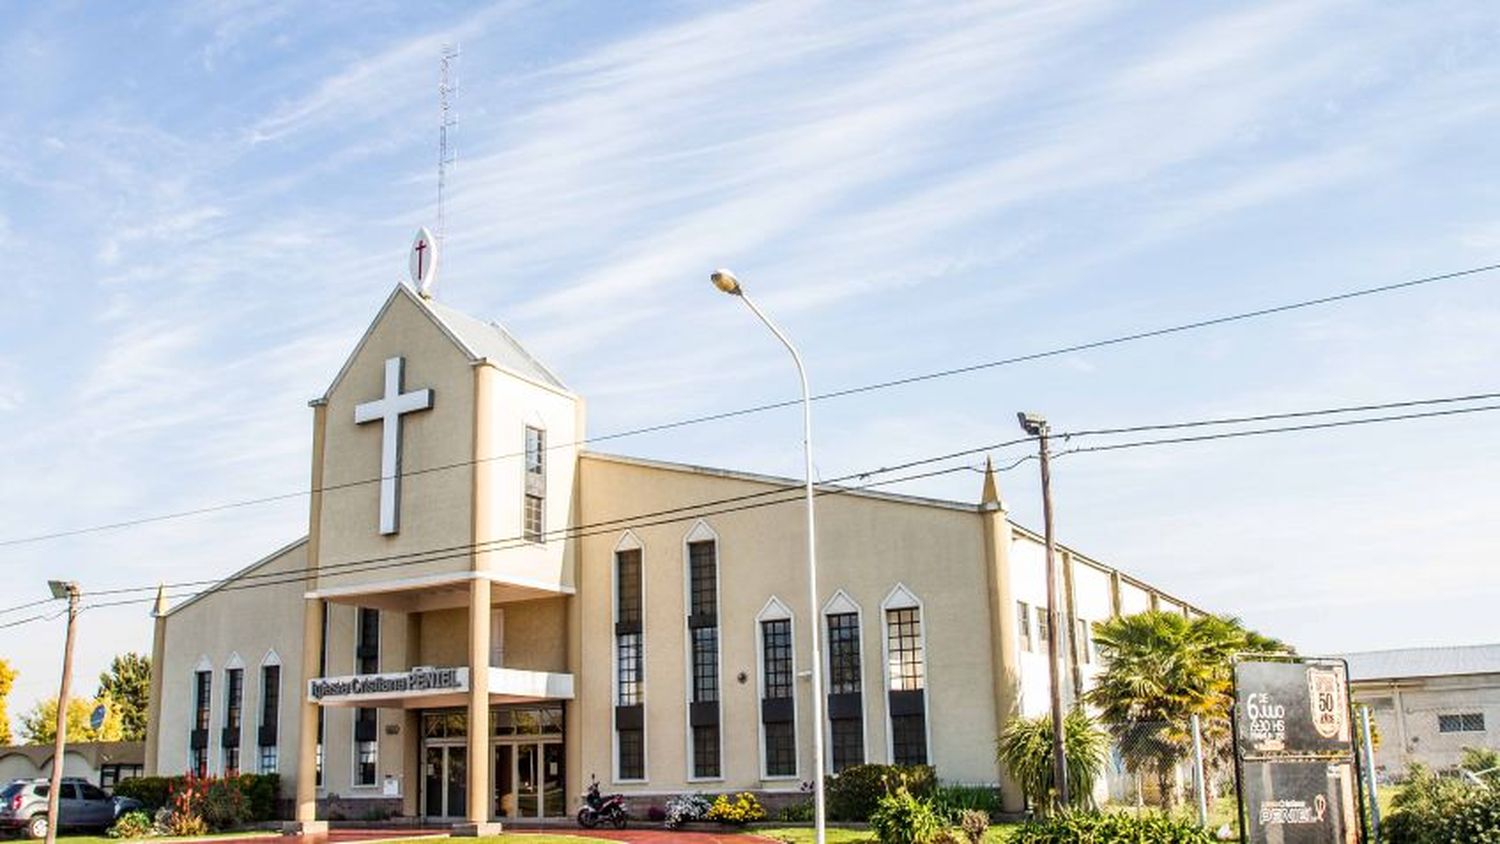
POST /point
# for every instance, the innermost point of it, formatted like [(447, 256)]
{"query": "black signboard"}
[(1294, 749), (1291, 709), (1299, 802)]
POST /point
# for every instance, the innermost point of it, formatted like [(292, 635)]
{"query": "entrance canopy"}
[(437, 592), (430, 688)]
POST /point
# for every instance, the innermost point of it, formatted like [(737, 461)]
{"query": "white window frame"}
[(701, 532), (354, 711), (840, 604), (899, 598), (271, 658), (774, 610), (628, 542)]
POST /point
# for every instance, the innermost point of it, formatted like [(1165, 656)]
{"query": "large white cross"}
[(388, 409)]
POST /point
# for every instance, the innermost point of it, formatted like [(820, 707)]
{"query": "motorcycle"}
[(599, 809)]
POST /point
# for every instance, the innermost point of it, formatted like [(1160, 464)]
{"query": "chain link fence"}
[(1153, 766)]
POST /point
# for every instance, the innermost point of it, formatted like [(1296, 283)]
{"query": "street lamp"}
[(728, 283), (1036, 425), (61, 590)]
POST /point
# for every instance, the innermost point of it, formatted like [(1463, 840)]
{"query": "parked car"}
[(81, 805)]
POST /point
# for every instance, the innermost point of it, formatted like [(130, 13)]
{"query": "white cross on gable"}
[(388, 410)]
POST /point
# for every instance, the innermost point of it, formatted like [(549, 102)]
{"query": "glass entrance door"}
[(445, 781), (528, 779)]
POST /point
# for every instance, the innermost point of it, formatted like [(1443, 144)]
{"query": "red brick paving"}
[(627, 836)]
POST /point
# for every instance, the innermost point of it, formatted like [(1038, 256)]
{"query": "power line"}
[(1255, 432), (1295, 414), (791, 494), (850, 391)]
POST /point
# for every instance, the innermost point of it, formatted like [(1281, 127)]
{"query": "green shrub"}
[(901, 818), (153, 792), (136, 824), (1025, 748), (974, 824), (1431, 809), (854, 792), (1089, 827), (261, 792), (223, 805), (799, 812), (951, 801)]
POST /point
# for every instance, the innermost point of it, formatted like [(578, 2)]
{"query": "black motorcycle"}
[(598, 809)]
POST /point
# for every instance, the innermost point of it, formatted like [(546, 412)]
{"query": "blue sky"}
[(202, 204)]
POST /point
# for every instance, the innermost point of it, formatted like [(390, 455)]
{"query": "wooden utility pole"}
[(1036, 426), (70, 591)]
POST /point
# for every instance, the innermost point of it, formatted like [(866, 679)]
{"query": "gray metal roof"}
[(1424, 662), (490, 341)]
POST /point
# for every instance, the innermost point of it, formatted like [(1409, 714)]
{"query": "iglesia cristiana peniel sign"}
[(417, 681)]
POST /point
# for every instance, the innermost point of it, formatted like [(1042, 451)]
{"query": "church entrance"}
[(526, 762)]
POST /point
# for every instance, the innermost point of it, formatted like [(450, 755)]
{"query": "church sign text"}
[(417, 681)]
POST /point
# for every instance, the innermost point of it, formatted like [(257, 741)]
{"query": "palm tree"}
[(1159, 670)]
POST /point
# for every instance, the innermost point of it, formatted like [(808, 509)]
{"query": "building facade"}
[(103, 763), (1428, 704), (483, 616)]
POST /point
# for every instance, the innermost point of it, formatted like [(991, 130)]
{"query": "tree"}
[(128, 684), (39, 726), (1025, 748), (1159, 670), (7, 679)]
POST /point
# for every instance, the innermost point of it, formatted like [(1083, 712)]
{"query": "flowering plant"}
[(739, 810), (686, 807)]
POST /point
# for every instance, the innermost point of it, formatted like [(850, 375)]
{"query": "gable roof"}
[(480, 341), (1424, 662)]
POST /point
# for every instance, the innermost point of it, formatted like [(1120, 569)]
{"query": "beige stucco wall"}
[(866, 547), (436, 506), (250, 623)]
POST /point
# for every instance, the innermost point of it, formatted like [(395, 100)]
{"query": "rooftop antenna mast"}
[(447, 154)]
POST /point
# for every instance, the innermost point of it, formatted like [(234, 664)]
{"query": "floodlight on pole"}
[(728, 283), (1035, 424)]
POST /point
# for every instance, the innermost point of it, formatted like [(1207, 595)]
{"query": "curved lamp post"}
[(728, 283)]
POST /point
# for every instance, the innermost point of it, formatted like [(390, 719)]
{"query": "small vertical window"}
[(534, 522), (1043, 628), (843, 653), (1085, 642), (536, 450), (907, 663), (534, 506), (1023, 626), (776, 644)]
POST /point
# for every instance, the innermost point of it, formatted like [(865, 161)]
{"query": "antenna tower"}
[(447, 154)]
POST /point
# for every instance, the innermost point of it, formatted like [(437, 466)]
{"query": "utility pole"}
[(1036, 425), (67, 590)]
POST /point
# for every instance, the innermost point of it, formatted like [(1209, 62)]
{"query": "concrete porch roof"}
[(437, 592)]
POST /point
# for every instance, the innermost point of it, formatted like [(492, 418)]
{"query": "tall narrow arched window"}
[(267, 734), (906, 677), (630, 661), (203, 684), (702, 554), (234, 715), (846, 708), (778, 709)]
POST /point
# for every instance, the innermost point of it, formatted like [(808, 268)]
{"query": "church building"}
[(481, 615)]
